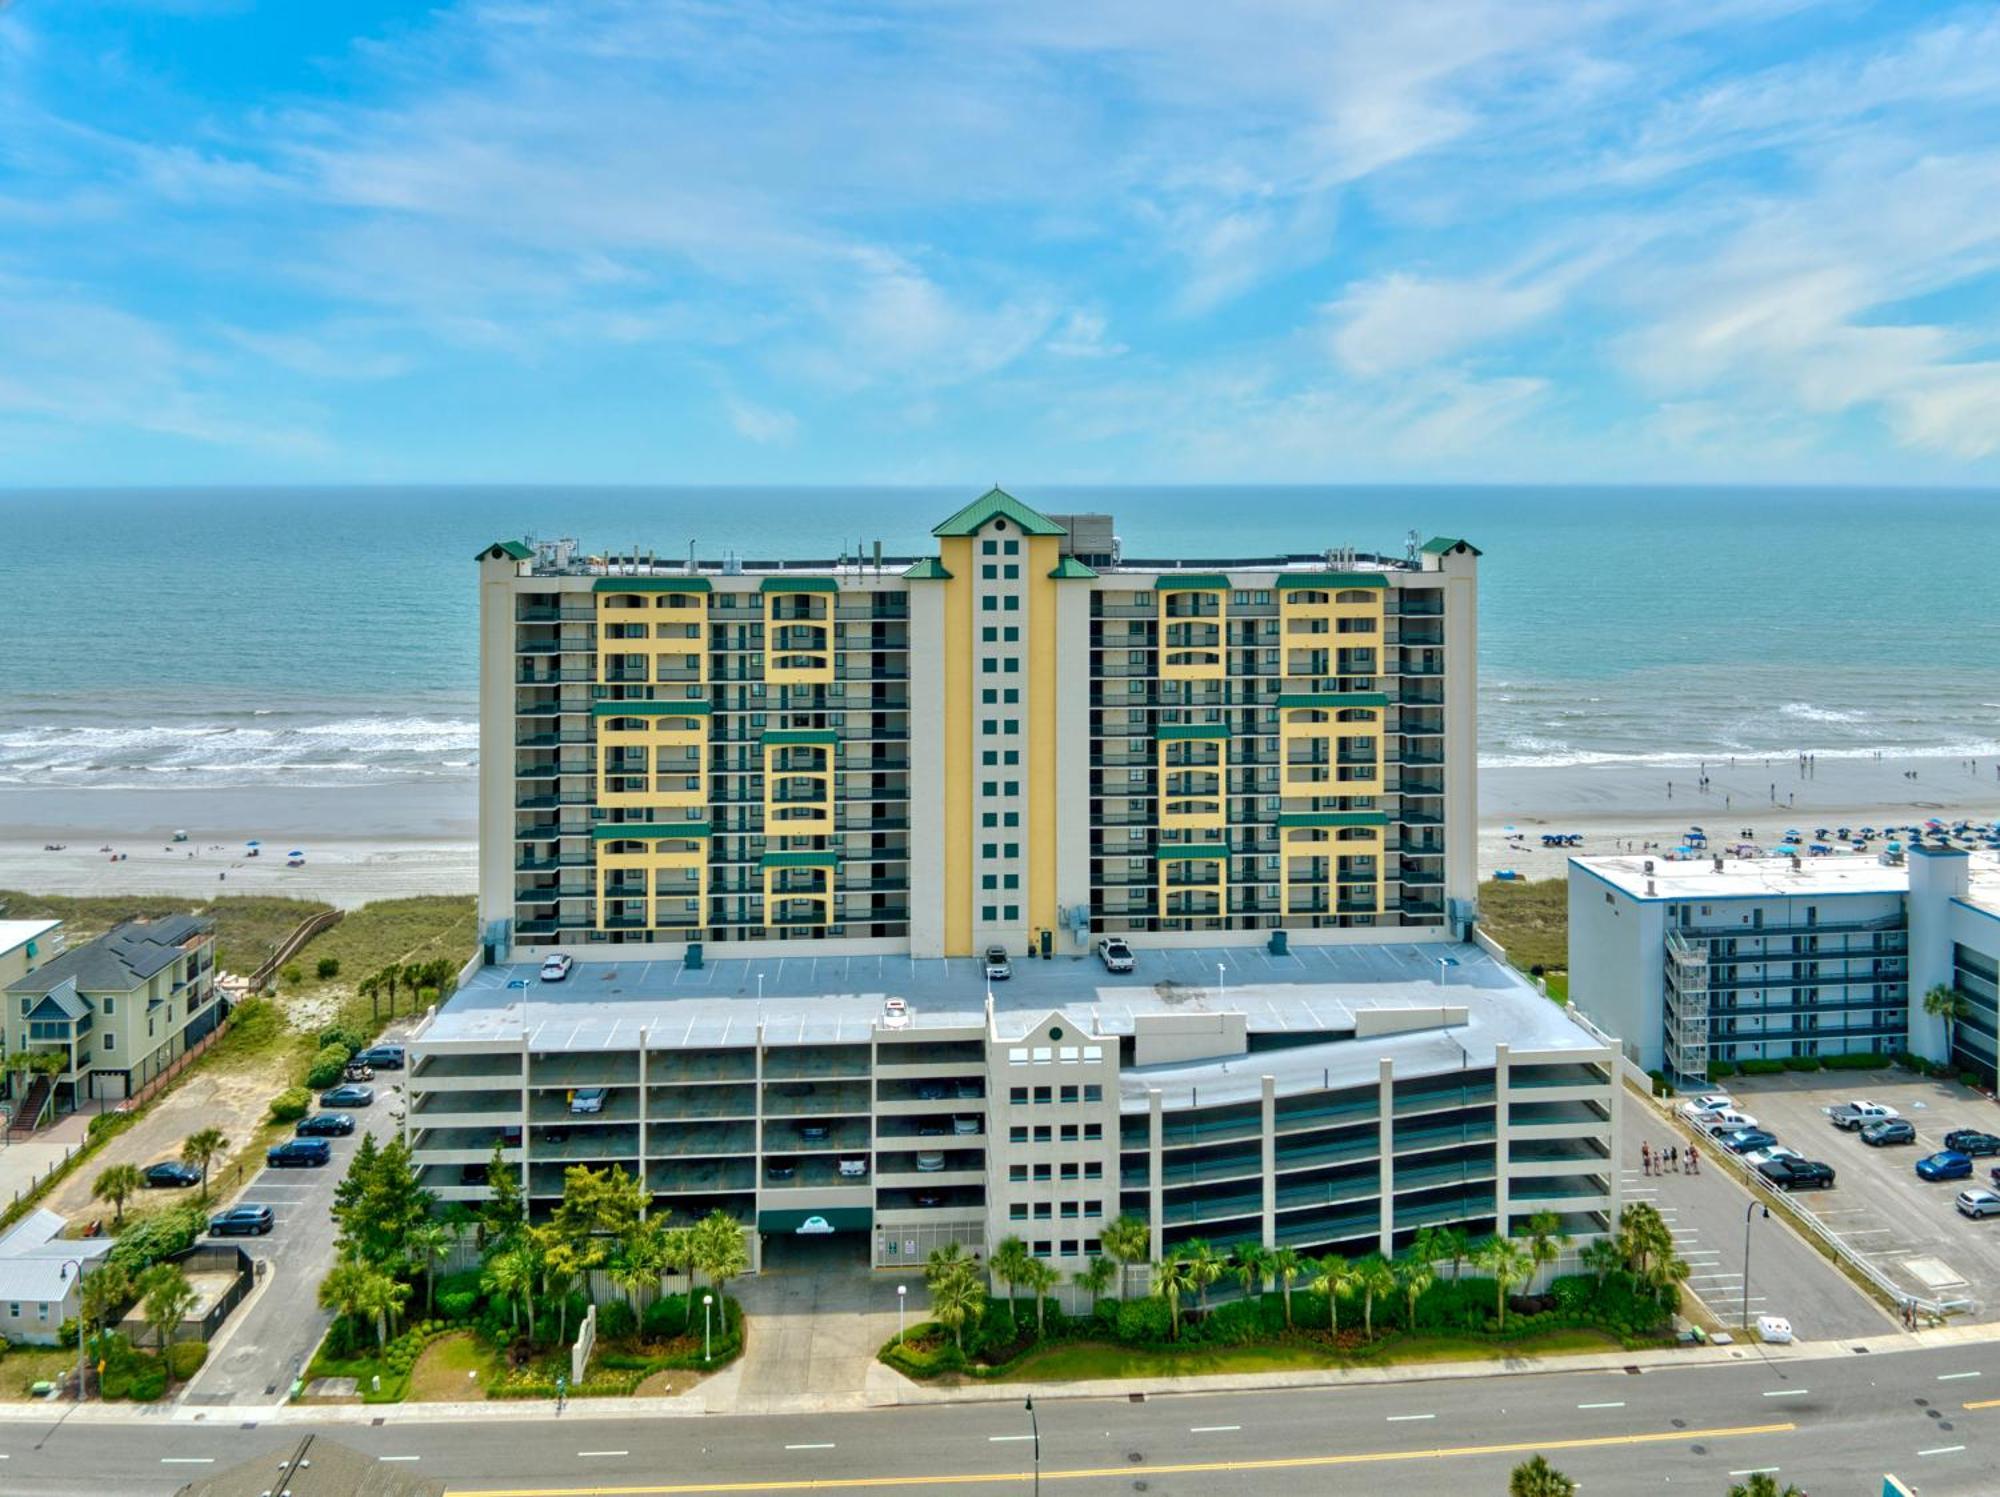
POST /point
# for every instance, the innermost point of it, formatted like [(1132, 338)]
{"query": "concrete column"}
[(1501, 1139), (1461, 727), (927, 770), (497, 576), (1937, 876), (1155, 1166), (1615, 1099), (527, 1127), (645, 1159), (1386, 1087), (1270, 1161)]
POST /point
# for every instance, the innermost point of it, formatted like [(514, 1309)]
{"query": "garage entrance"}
[(804, 1241)]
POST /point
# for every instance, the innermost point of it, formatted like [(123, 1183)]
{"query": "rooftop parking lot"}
[(1908, 1228)]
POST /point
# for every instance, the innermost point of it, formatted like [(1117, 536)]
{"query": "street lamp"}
[(1221, 981), (82, 1329), (707, 1300), (902, 1298), (1749, 1212), (1035, 1429)]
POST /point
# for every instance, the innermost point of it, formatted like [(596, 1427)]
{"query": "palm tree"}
[(1205, 1262), (1601, 1256), (1414, 1275), (1252, 1264), (1949, 1004), (429, 1243), (1039, 1279), (637, 1264), (1546, 1239), (1287, 1265), (511, 1274), (1450, 1245), (117, 1184), (719, 1251), (942, 1261), (165, 1296), (958, 1294), (201, 1149), (1128, 1240), (1174, 1277), (1508, 1264), (1009, 1266), (383, 1297), (1095, 1279), (1337, 1279), (1377, 1278), (562, 1266), (1537, 1478), (1763, 1484)]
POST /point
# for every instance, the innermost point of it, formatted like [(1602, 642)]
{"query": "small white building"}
[(38, 1277), (1693, 960)]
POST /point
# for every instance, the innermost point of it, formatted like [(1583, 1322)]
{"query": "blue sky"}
[(1041, 241)]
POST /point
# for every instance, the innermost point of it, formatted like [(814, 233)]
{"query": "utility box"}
[(694, 956), (1276, 945)]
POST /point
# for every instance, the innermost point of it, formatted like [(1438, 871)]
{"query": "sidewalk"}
[(26, 1161)]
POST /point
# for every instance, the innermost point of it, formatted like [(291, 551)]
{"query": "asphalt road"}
[(1832, 1426), (273, 1333)]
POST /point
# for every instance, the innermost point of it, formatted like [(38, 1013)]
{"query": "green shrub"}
[(1971, 1080), (184, 1359), (1661, 1086), (665, 1317), (458, 1305), (328, 966), (67, 1332), (427, 996), (146, 1242), (1142, 1322), (617, 1321), (291, 1104), (327, 1066), (292, 975), (926, 1350), (1863, 1061), (1761, 1067), (1719, 1070), (1802, 1062), (342, 1034)]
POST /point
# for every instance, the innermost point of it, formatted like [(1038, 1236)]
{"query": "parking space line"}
[(1942, 1450), (1952, 1377), (1786, 1392)]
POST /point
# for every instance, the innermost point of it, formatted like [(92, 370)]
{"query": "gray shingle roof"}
[(117, 961)]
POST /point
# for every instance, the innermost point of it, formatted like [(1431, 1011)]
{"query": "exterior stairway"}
[(34, 1102)]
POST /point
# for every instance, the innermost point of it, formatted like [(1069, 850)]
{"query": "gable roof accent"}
[(992, 504), (61, 1003), (651, 585), (930, 569), (798, 585), (512, 550), (1191, 582), (1069, 569), (118, 961), (1439, 545)]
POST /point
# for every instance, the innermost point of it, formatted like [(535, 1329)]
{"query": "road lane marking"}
[(1757, 1471), (1952, 1377), (1126, 1473), (1405, 1418), (1786, 1392), (829, 1446), (187, 1460), (400, 1458), (1213, 1429), (991, 1439), (1942, 1450), (1618, 1405), (581, 1454), (1982, 1403)]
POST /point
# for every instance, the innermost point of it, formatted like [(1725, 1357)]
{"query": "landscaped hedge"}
[(184, 1359), (160, 1236), (327, 1067), (1866, 1060), (291, 1104)]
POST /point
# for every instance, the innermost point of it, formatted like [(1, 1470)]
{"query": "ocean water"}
[(326, 637)]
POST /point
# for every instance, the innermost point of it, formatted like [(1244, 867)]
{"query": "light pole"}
[(1749, 1212), (1221, 981), (1035, 1429), (82, 1330), (902, 1298), (707, 1300)]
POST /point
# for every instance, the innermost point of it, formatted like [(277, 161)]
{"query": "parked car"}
[(1727, 1120), (928, 1198), (1744, 1140), (1694, 1109), (356, 1072), (1859, 1114), (347, 1095), (854, 1167), (326, 1125), (1946, 1164), (1757, 1158), (932, 1091), (966, 1089), (555, 966), (1979, 1202), (895, 1013), (1972, 1141), (1889, 1131), (932, 1128), (930, 1161), (815, 1133), (964, 1123), (781, 1169), (587, 1099), (242, 1221), (171, 1174), (1115, 954), (381, 1057), (998, 969), (299, 1153), (1797, 1174)]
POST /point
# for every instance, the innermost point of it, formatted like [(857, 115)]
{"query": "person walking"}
[(1694, 1160), (1645, 1159)]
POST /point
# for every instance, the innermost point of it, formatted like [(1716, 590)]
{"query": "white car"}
[(963, 1123), (1858, 1114), (1765, 1156), (1697, 1108), (854, 1168), (1728, 1120), (556, 966), (930, 1162), (1775, 1329), (586, 1099), (1115, 954), (895, 1013), (1978, 1203)]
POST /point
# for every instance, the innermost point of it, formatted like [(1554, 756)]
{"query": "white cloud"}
[(1404, 321), (1082, 336), (760, 424)]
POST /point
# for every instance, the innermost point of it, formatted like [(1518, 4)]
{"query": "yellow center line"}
[(1983, 1403), (1103, 1473)]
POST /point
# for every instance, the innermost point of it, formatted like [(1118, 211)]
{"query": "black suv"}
[(1971, 1141), (303, 1153), (242, 1221), (381, 1057), (1797, 1174), (326, 1125)]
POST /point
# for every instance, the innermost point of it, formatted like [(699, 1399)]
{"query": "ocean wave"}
[(1564, 757), (333, 751), (1807, 712)]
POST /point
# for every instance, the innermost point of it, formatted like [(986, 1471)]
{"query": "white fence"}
[(586, 1343)]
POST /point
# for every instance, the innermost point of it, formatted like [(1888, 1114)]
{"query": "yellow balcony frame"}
[(1327, 606), (1328, 843), (690, 610), (778, 866), (654, 856), (803, 667), (794, 823), (655, 732), (1200, 662), (1163, 884), (1215, 818), (1324, 724)]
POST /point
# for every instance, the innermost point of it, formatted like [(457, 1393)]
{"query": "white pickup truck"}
[(1858, 1114)]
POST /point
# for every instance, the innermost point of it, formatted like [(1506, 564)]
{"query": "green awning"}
[(826, 1220), (648, 831), (799, 860), (1191, 730), (1333, 818), (1333, 699), (781, 736), (651, 585), (1191, 582), (1192, 852), (650, 709), (1331, 579), (798, 585)]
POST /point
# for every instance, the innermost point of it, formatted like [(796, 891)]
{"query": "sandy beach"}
[(400, 839)]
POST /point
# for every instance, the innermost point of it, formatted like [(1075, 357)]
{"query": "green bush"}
[(1719, 1070), (184, 1359), (292, 975), (328, 966), (291, 1104), (1971, 1080), (1144, 1321), (1802, 1062), (1863, 1061), (1761, 1067), (327, 1066), (146, 1242), (67, 1332), (665, 1317), (617, 1321), (342, 1034), (926, 1350), (458, 1305), (1661, 1086)]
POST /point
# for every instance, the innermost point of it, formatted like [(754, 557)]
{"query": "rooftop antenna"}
[(1410, 544)]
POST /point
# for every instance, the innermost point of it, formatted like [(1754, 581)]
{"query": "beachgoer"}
[(1694, 1160), (1645, 1159)]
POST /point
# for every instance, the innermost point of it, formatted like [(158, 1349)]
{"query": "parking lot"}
[(1908, 1228)]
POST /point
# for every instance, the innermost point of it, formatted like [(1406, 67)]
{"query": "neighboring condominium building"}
[(1696, 960), (1025, 740)]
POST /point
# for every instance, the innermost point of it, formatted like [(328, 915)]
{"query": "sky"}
[(1149, 241)]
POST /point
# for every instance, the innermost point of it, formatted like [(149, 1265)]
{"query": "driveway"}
[(816, 1316), (266, 1342)]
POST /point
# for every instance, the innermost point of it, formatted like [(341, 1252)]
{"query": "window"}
[(992, 699), (1041, 1211), (1011, 665), (110, 1007), (1069, 1133), (1092, 1092), (1017, 1095), (1011, 548), (1010, 756), (989, 849), (988, 603), (989, 548), (1013, 787), (1011, 633), (988, 913), (1010, 880), (1018, 1212), (110, 1041), (1010, 726), (1069, 1247), (989, 818), (1069, 1094), (989, 756), (1092, 1247), (989, 667), (1041, 1096), (1093, 1171), (1041, 1247), (1069, 1172), (1012, 602), (1093, 1208), (1010, 849), (1011, 571), (1010, 818), (989, 634), (989, 881), (1068, 1212), (1093, 1132), (1042, 1133), (1017, 1172), (989, 572), (1011, 694), (1011, 912), (1041, 1172), (1018, 1134)]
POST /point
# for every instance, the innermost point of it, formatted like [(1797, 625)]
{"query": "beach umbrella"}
[(295, 853), (253, 842)]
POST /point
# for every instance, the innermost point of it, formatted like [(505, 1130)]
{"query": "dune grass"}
[(1531, 919), (248, 927)]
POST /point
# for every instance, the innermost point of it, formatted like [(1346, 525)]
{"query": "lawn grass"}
[(1531, 919), (389, 931), (442, 1373), (248, 927), (1078, 1361), (24, 1366)]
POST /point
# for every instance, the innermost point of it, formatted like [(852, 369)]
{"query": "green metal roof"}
[(512, 550), (651, 585), (930, 569), (1191, 730), (1191, 852), (827, 1218), (1191, 582), (1334, 699), (1331, 579), (992, 504), (1438, 545), (799, 860), (1333, 818), (650, 709), (798, 585), (802, 735), (1069, 569), (648, 831)]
